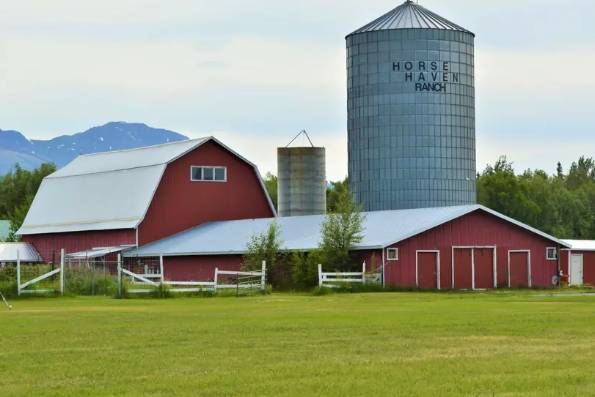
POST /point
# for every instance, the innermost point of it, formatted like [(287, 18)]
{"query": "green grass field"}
[(389, 344)]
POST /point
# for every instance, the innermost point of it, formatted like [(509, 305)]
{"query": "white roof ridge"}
[(184, 141)]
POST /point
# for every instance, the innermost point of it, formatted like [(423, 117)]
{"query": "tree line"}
[(17, 190), (562, 204)]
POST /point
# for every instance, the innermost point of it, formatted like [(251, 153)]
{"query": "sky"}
[(255, 73)]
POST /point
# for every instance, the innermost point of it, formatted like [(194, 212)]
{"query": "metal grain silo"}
[(302, 181), (411, 111)]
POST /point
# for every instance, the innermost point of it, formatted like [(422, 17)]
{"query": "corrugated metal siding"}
[(180, 204), (198, 268), (475, 229), (49, 245)]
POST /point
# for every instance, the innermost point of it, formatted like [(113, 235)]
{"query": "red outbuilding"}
[(462, 247), (578, 263), (128, 198)]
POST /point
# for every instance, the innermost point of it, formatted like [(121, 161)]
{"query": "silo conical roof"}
[(410, 15)]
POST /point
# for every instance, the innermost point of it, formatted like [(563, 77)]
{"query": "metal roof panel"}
[(26, 252), (581, 245), (410, 15), (302, 233)]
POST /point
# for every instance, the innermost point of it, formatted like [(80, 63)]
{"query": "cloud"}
[(262, 70)]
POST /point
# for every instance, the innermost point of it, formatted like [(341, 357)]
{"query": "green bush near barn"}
[(534, 343)]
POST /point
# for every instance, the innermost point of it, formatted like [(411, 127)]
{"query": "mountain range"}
[(15, 148)]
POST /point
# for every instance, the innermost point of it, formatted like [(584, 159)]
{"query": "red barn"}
[(578, 262), (463, 247), (133, 197)]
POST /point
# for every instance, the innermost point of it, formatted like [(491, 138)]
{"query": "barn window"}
[(392, 254), (552, 253), (208, 174)]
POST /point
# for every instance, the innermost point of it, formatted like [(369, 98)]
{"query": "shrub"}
[(88, 281), (267, 247), (341, 230), (304, 269)]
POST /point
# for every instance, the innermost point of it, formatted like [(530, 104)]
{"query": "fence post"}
[(18, 273), (161, 268), (119, 275), (216, 277), (263, 276), (364, 273), (319, 275), (62, 272)]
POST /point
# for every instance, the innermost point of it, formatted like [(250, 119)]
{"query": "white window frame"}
[(388, 256), (214, 167), (547, 254)]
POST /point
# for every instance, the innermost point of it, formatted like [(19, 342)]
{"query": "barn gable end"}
[(180, 204), (121, 198)]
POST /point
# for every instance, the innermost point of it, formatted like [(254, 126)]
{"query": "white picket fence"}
[(240, 280), (22, 287), (334, 280)]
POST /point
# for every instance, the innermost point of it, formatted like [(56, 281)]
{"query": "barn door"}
[(462, 268), (483, 259), (428, 272), (519, 269), (576, 270)]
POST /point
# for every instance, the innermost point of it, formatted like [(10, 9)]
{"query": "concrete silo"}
[(302, 181), (411, 111)]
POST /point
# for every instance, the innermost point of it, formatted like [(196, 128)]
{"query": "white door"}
[(576, 270)]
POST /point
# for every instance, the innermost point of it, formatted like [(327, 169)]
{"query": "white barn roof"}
[(581, 245), (26, 252), (104, 191), (302, 233)]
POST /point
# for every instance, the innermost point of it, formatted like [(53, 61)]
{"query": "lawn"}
[(502, 344)]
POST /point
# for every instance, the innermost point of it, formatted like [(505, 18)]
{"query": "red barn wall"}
[(564, 257), (475, 229), (49, 245), (588, 265), (198, 268), (180, 204)]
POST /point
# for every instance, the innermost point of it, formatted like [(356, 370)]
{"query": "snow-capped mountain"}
[(16, 148)]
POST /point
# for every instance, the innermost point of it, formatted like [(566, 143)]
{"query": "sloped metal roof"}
[(410, 15), (97, 252), (581, 245), (105, 191), (24, 251), (119, 160), (302, 233)]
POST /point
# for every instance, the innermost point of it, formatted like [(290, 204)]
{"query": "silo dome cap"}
[(410, 15)]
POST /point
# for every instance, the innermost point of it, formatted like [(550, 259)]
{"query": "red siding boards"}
[(588, 268), (49, 245), (477, 229), (198, 268), (180, 204), (564, 258)]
